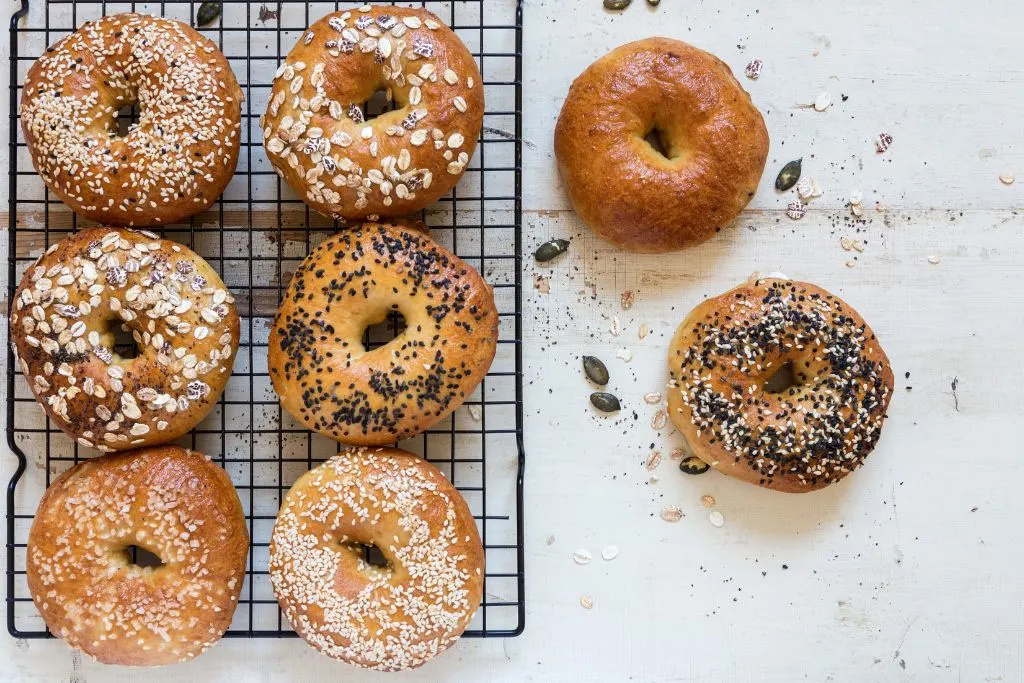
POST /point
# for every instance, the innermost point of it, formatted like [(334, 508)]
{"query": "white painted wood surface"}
[(909, 569)]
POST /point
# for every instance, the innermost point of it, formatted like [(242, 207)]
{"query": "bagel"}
[(317, 135), (391, 617), (175, 162), (334, 386), (180, 315), (797, 438), (714, 146), (170, 501)]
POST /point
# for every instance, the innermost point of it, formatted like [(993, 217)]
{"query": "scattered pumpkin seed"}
[(616, 4), (693, 465), (653, 3), (789, 175), (596, 371), (208, 12), (605, 402), (550, 250)]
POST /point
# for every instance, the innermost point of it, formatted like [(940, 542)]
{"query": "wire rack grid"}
[(255, 236)]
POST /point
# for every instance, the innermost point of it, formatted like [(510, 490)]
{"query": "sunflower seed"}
[(693, 465), (550, 249), (596, 371), (789, 175), (207, 13), (605, 402)]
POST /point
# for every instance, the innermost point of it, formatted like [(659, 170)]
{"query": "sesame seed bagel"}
[(800, 438), (174, 503), (175, 161), (333, 385), (317, 135), (714, 140), (180, 315), (389, 617)]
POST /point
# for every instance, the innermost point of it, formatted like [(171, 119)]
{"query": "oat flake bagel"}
[(332, 384), (804, 437), (173, 502), (393, 617), (180, 315), (714, 139), (175, 161), (347, 167)]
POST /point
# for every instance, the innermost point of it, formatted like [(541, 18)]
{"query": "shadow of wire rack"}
[(255, 236)]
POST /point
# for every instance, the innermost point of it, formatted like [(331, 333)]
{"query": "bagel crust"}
[(625, 190), (166, 499), (346, 167), (181, 316), (387, 618), (175, 162), (810, 434), (326, 378)]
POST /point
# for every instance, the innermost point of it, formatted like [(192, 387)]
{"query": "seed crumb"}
[(707, 501), (671, 513), (587, 602)]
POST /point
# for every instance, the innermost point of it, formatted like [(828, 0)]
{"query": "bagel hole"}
[(381, 333), (141, 557), (658, 140), (782, 380), (379, 103), (367, 552), (126, 117), (125, 345)]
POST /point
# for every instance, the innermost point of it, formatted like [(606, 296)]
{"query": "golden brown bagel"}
[(180, 314), (173, 502), (624, 189), (175, 162), (318, 365), (397, 163), (810, 435), (388, 618)]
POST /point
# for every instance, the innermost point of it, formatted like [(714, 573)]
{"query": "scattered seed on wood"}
[(796, 210), (626, 300), (596, 370), (677, 453), (789, 175), (716, 518), (652, 398), (653, 460), (541, 284), (857, 197), (753, 69), (933, 259), (208, 12), (644, 331), (624, 354), (882, 142), (586, 602), (1007, 179), (474, 412), (807, 189), (671, 513), (616, 4), (693, 465), (582, 556), (659, 420), (822, 102), (550, 250), (605, 402), (707, 501), (614, 326), (610, 552), (653, 3)]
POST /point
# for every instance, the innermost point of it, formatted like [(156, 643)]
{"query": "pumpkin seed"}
[(596, 371), (788, 176), (693, 465), (653, 3), (616, 4), (207, 13), (605, 402), (550, 250)]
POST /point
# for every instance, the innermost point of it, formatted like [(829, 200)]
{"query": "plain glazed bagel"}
[(174, 503), (175, 162), (326, 378), (317, 135), (714, 139), (389, 617), (800, 438), (178, 311)]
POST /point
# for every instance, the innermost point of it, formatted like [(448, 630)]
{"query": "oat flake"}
[(716, 518), (610, 552), (659, 420), (586, 602), (652, 398), (582, 556), (653, 460), (671, 513)]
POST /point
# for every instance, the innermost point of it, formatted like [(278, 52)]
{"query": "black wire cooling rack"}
[(255, 236)]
